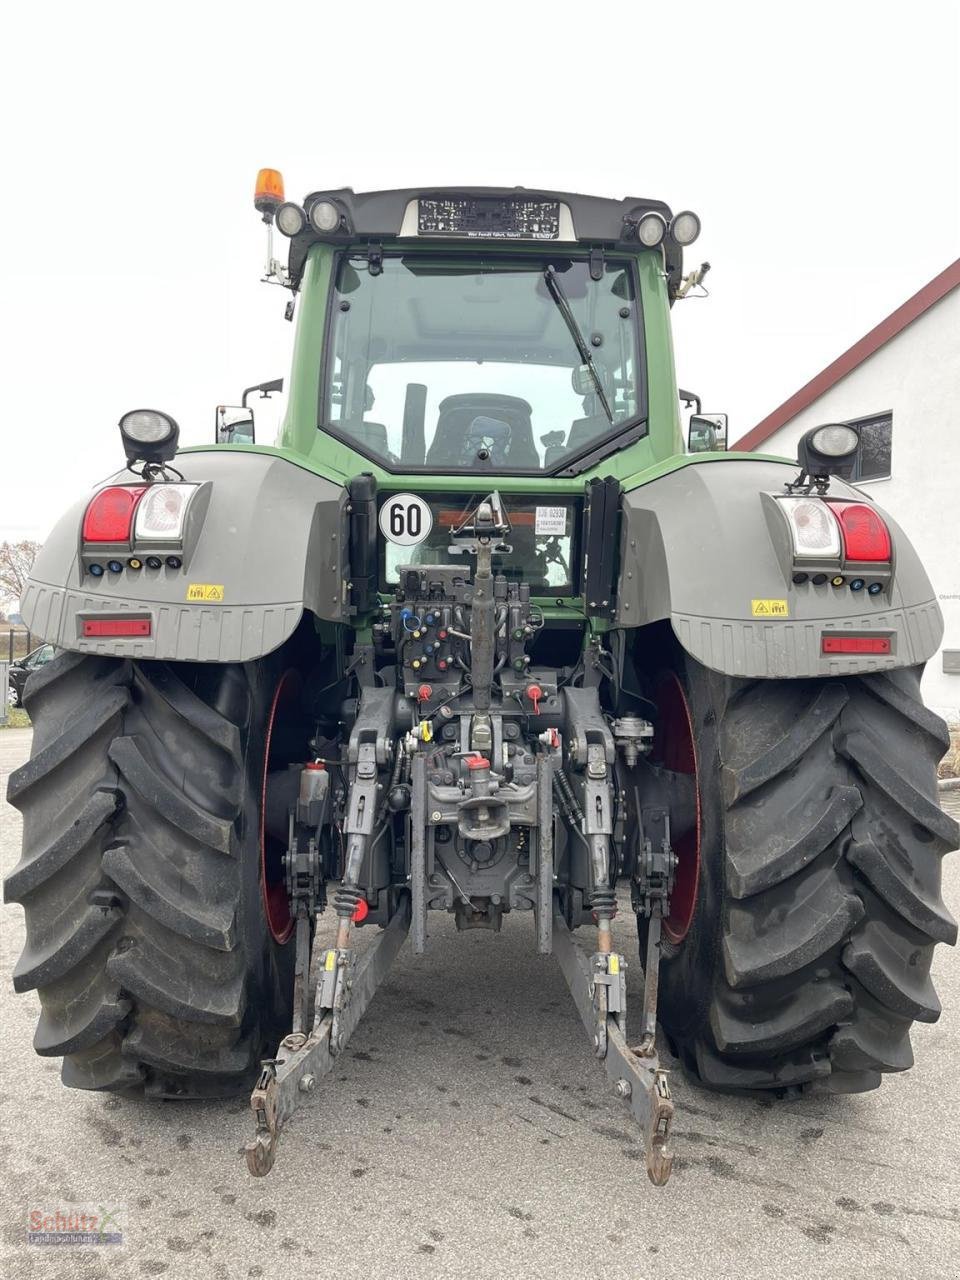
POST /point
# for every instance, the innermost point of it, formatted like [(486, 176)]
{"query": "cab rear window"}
[(544, 537)]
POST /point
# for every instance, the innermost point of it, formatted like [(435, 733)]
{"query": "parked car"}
[(22, 668)]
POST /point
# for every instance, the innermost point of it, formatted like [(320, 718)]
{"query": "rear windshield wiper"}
[(602, 448), (560, 298)]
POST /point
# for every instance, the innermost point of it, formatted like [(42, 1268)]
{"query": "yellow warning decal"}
[(330, 961), (769, 609), (205, 591), (613, 963)]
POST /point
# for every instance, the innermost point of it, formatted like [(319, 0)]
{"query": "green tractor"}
[(478, 635)]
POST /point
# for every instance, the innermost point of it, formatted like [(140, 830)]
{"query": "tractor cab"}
[(496, 331)]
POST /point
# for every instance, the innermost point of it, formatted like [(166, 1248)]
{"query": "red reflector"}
[(110, 514), (116, 627), (854, 644), (865, 536)]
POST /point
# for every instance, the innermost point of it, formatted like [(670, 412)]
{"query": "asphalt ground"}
[(469, 1133)]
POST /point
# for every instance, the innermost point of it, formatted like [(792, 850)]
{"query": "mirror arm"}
[(691, 398), (265, 389)]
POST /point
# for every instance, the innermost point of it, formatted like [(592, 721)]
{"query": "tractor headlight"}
[(651, 229), (290, 219), (324, 216), (149, 435), (684, 228)]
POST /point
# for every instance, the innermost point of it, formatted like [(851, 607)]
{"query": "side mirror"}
[(234, 425), (707, 432)]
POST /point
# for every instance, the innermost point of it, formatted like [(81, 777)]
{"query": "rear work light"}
[(854, 644), (865, 536), (116, 627), (110, 513)]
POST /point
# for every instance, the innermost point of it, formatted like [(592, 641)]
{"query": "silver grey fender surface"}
[(698, 548), (271, 538)]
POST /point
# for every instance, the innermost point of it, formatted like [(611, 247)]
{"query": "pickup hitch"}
[(598, 986), (346, 985)]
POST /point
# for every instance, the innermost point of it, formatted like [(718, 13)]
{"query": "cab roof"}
[(492, 216)]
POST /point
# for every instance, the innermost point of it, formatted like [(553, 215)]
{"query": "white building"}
[(900, 387)]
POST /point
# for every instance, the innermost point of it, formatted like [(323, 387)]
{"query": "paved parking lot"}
[(470, 1134)]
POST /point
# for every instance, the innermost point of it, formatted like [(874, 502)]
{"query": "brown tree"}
[(16, 561)]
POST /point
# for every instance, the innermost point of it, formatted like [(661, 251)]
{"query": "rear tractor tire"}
[(147, 936), (808, 899)]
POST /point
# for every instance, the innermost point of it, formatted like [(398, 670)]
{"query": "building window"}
[(876, 446)]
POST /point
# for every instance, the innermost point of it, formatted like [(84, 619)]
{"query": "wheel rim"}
[(273, 889), (674, 747)]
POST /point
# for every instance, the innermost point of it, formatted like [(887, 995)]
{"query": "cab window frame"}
[(637, 426)]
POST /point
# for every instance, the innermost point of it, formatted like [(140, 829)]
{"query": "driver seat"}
[(455, 416)]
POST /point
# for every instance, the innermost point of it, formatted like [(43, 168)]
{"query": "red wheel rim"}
[(675, 749), (273, 890)]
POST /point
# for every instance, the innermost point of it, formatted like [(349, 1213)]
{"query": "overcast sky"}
[(818, 142)]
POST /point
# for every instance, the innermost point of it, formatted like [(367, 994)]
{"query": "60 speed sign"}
[(405, 519)]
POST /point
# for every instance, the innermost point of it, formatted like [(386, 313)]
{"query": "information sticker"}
[(205, 591), (551, 521), (769, 609)]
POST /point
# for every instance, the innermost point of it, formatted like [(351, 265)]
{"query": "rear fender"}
[(701, 544), (272, 541)]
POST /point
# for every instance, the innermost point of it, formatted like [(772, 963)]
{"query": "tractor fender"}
[(702, 546), (271, 542)]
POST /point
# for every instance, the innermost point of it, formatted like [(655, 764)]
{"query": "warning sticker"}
[(769, 609), (551, 521), (205, 591)]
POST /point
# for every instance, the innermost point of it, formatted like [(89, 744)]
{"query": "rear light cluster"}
[(837, 542), (148, 519)]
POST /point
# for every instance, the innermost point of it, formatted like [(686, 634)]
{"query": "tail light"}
[(109, 516), (161, 513), (822, 530), (865, 536), (815, 533), (138, 513)]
